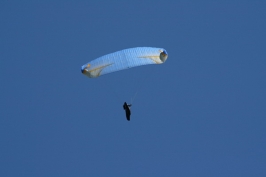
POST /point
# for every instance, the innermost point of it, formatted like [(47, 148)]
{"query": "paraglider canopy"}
[(124, 59)]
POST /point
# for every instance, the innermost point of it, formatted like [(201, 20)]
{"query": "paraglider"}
[(127, 109), (122, 60)]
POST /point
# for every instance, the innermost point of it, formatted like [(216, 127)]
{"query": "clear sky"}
[(201, 113)]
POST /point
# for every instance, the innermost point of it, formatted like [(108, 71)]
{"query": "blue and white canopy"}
[(124, 59)]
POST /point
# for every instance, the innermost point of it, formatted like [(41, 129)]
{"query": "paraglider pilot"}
[(127, 109)]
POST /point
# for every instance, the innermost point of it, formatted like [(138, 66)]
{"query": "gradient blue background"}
[(202, 113)]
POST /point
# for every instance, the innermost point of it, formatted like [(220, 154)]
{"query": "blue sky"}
[(201, 113)]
